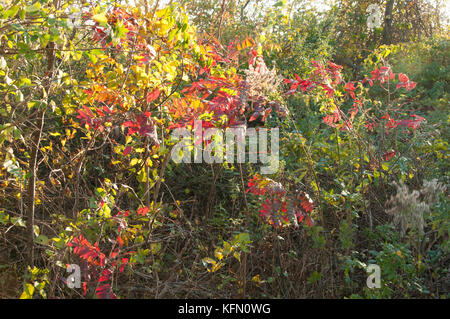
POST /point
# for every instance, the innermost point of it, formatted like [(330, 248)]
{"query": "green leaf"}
[(120, 30), (33, 8), (100, 192), (156, 247), (22, 14), (44, 39), (11, 13), (4, 218), (18, 221), (59, 242), (366, 158), (17, 133), (314, 277), (242, 238), (376, 174), (41, 239), (96, 52), (105, 211), (227, 247), (40, 287)]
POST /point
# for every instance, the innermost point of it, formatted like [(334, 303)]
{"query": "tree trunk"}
[(387, 32)]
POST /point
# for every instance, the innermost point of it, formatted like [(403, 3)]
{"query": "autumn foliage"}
[(92, 95)]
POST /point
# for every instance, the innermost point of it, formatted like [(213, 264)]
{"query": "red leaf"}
[(113, 255), (86, 251), (120, 241), (388, 155), (142, 211), (124, 263), (84, 288), (104, 290), (409, 85), (334, 66), (254, 116), (412, 123), (153, 95), (88, 111), (403, 77), (133, 127), (305, 202), (128, 124), (328, 89), (349, 86), (332, 119), (82, 115), (106, 109), (127, 150)]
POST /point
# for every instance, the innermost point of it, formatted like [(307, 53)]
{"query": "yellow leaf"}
[(209, 260), (228, 247), (216, 267), (55, 134), (218, 253), (256, 279), (100, 18), (163, 12), (28, 291), (134, 161)]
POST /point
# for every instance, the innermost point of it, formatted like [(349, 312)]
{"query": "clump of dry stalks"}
[(261, 81), (408, 208)]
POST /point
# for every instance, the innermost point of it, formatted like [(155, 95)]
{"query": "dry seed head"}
[(431, 190), (406, 209), (261, 82)]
